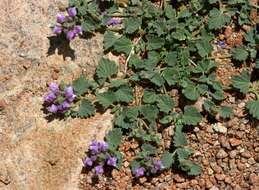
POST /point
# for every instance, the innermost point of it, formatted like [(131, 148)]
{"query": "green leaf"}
[(165, 103), (150, 112), (86, 108), (149, 96), (106, 69), (171, 76), (106, 99), (167, 159), (119, 157), (242, 82), (148, 149), (109, 39), (81, 85), (226, 112), (179, 137), (191, 168), (154, 42), (123, 45), (239, 54), (171, 58), (253, 108), (191, 116), (191, 92), (217, 20), (89, 24), (183, 153), (124, 94), (132, 24), (204, 48), (113, 138)]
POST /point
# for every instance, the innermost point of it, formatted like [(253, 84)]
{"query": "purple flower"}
[(98, 169), (61, 18), (222, 44), (93, 158), (53, 108), (70, 35), (158, 165), (54, 87), (50, 97), (57, 29), (112, 161), (94, 147), (69, 92), (65, 105), (138, 172), (72, 11), (88, 162), (77, 29), (103, 146), (113, 21)]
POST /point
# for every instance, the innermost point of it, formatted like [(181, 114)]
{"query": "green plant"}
[(167, 47)]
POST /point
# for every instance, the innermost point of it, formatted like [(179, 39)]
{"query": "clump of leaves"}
[(166, 47)]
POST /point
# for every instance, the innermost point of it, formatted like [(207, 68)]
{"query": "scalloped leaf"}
[(253, 108), (86, 109), (191, 116), (242, 82), (106, 69)]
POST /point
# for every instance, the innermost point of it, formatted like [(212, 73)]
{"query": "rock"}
[(254, 179), (246, 154), (220, 128), (178, 178), (3, 104), (126, 164), (228, 180), (232, 154), (235, 142), (209, 184), (220, 177), (221, 154), (214, 188), (210, 171), (142, 180)]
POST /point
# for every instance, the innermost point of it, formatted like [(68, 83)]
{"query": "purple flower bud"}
[(50, 97), (158, 165), (77, 29), (70, 35), (112, 161), (72, 11), (65, 105), (57, 29), (103, 146), (94, 147), (88, 162), (53, 108), (69, 92), (113, 21), (222, 44), (71, 99), (93, 158), (98, 169), (61, 18), (54, 87), (138, 172)]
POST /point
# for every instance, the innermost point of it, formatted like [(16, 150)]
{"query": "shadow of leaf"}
[(61, 44)]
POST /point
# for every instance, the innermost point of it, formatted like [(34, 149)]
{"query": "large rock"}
[(37, 153)]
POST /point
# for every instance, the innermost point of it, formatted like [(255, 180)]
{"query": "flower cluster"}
[(149, 167), (59, 100), (99, 157), (66, 24)]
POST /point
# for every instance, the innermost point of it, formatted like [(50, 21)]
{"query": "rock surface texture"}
[(36, 153)]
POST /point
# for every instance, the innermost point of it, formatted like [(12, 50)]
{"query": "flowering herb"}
[(67, 24), (101, 157), (58, 100)]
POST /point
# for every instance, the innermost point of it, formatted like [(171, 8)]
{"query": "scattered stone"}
[(126, 164), (221, 154), (235, 142), (142, 180), (178, 178), (220, 128), (254, 179), (3, 104), (214, 188), (228, 180), (210, 171), (232, 154), (241, 105), (220, 177), (246, 154)]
